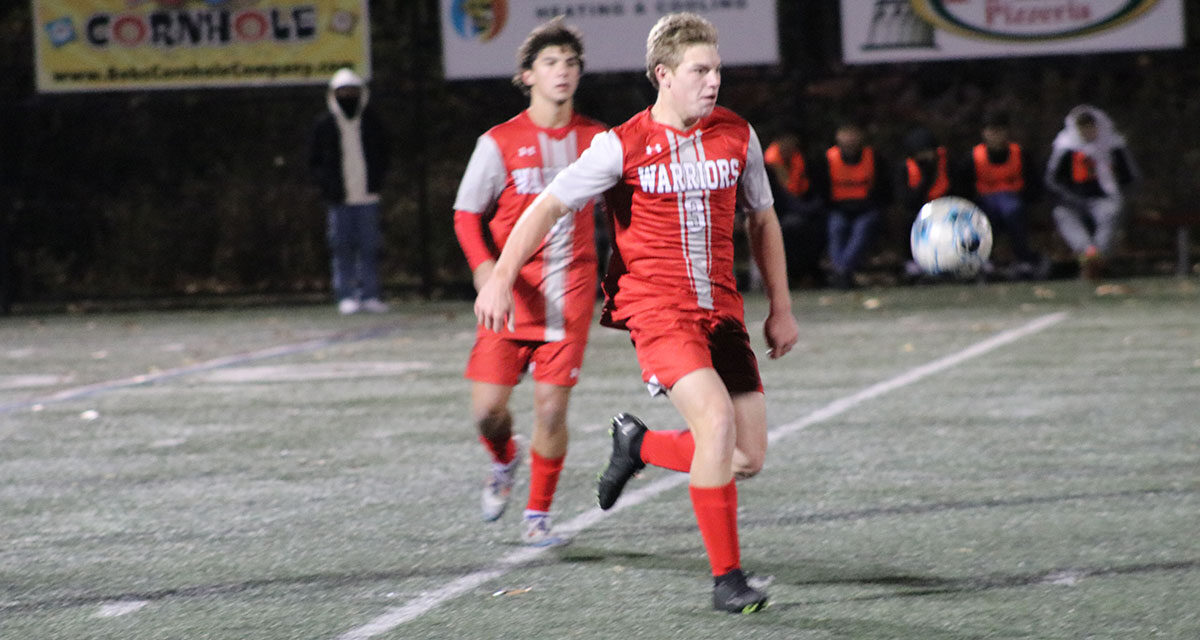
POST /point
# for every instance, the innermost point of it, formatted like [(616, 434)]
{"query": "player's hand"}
[(781, 332), (494, 305)]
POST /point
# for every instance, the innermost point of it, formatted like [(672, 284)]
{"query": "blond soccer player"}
[(674, 177)]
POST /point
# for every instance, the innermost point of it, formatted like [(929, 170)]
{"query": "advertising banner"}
[(107, 45), (913, 30), (480, 37)]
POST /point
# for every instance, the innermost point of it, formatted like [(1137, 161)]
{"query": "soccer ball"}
[(951, 236)]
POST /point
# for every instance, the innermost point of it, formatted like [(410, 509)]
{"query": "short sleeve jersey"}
[(555, 291), (673, 197)]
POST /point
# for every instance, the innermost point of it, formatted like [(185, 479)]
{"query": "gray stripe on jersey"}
[(560, 241), (694, 219)]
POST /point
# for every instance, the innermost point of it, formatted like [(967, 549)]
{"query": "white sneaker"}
[(537, 530), (497, 488), (347, 306), (374, 305)]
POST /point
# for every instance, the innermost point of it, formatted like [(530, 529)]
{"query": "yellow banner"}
[(106, 45)]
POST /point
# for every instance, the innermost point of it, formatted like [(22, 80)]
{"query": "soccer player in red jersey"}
[(674, 176), (555, 283)]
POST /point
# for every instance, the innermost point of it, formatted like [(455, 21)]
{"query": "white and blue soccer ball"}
[(951, 236)]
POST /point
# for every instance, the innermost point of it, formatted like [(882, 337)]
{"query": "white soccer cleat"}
[(497, 488), (537, 531), (374, 305)]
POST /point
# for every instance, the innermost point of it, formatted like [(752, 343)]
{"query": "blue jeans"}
[(1007, 214), (354, 241), (850, 235)]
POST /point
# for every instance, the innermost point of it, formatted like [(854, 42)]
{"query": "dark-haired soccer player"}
[(675, 176), (555, 283)]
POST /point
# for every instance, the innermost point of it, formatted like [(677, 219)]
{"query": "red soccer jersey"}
[(555, 291), (673, 199)]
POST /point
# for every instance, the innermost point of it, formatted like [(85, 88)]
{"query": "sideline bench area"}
[(1181, 224)]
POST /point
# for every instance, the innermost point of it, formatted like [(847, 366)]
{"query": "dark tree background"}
[(191, 195)]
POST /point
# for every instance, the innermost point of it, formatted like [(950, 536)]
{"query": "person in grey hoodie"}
[(349, 157), (1090, 172)]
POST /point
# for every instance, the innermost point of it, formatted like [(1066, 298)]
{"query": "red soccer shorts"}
[(671, 344), (499, 360)]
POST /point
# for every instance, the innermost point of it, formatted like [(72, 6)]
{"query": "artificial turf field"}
[(949, 461)]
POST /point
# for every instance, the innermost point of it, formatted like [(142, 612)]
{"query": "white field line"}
[(427, 601), (120, 608), (86, 390)]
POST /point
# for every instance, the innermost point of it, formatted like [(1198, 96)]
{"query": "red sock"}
[(502, 452), (669, 449), (716, 513), (543, 478)]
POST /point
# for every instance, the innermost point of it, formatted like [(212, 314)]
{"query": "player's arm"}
[(494, 304), (766, 247), (468, 228), (480, 188)]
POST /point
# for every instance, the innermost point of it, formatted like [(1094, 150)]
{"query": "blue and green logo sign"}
[(479, 19)]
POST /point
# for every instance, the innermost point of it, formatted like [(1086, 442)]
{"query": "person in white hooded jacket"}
[(1089, 173), (349, 157)]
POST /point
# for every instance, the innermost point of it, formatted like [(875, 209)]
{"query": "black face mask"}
[(349, 106)]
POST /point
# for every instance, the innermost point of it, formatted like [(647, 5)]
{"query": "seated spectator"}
[(1001, 178), (801, 215), (1089, 172), (850, 178)]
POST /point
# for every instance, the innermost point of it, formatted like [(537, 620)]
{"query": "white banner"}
[(480, 37), (913, 30)]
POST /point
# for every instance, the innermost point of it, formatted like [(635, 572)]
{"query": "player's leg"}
[(547, 452), (494, 423), (495, 367), (667, 347), (556, 366), (674, 448), (705, 405), (701, 398), (750, 452), (548, 448), (550, 433), (666, 355), (668, 448)]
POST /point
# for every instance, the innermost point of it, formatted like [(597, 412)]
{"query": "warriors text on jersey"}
[(512, 163), (673, 196)]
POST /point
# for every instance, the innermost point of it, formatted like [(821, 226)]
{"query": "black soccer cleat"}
[(733, 595), (626, 459)]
